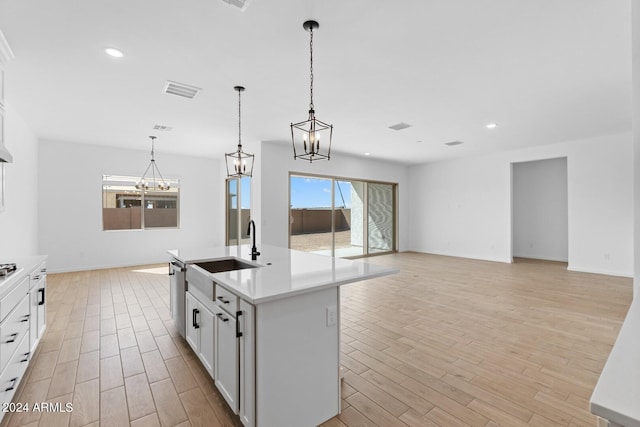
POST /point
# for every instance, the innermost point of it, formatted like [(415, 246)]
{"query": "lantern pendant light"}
[(156, 184), (239, 163), (312, 137)]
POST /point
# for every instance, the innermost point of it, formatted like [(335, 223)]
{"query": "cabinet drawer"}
[(226, 300), (12, 331), (10, 300), (38, 274), (16, 367)]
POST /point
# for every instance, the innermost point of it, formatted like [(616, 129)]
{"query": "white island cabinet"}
[(276, 329)]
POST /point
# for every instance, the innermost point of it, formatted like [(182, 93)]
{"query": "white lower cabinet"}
[(247, 364), (200, 330), (224, 340), (227, 372), (37, 304), (22, 322)]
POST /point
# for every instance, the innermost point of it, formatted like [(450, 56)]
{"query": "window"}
[(238, 209), (126, 208), (341, 217)]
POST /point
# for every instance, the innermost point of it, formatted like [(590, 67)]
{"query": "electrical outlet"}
[(332, 315)]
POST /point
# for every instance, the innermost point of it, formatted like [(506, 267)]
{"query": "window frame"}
[(125, 180)]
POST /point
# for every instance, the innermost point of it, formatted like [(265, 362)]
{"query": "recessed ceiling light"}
[(400, 126), (114, 52), (492, 125), (367, 154)]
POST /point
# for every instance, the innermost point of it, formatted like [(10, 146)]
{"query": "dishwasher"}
[(177, 270)]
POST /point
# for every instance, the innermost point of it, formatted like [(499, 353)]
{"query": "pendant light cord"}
[(239, 124), (153, 140), (311, 66)]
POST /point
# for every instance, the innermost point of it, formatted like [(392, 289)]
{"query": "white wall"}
[(635, 13), (276, 163), (70, 206), (19, 221), (540, 214), (463, 207)]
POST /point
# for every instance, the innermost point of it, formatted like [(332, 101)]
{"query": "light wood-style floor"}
[(446, 342)]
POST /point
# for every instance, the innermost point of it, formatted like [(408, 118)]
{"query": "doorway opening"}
[(539, 207)]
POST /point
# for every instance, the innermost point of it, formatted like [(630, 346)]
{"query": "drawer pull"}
[(223, 300), (36, 277), (13, 338), (13, 384), (43, 270), (224, 319), (26, 318), (26, 357), (41, 292)]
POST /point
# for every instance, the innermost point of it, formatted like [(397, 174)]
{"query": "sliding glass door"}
[(348, 217), (380, 202), (341, 217), (238, 210), (310, 214)]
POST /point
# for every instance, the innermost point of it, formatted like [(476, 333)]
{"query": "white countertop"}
[(617, 394), (24, 266), (283, 272)]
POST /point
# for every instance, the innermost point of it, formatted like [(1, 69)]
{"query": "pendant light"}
[(157, 183), (312, 137), (239, 163)]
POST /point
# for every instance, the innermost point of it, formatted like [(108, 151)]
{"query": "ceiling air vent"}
[(162, 128), (181, 89), (452, 143), (400, 126), (241, 4)]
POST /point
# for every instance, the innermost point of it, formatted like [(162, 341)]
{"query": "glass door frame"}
[(365, 216), (228, 208)]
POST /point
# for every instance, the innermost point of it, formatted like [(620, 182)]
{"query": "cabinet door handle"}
[(26, 357), (13, 384), (171, 271), (13, 338), (238, 333), (26, 318), (41, 292), (194, 320)]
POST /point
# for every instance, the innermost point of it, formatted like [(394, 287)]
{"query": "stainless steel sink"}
[(227, 264)]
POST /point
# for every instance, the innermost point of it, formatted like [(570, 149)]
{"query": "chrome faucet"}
[(254, 250)]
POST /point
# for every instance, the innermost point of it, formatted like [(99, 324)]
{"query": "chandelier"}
[(239, 163), (307, 135), (157, 183)]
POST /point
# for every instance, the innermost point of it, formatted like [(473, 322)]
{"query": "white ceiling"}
[(545, 70)]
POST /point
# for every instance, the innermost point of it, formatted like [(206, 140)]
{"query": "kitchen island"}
[(268, 332)]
